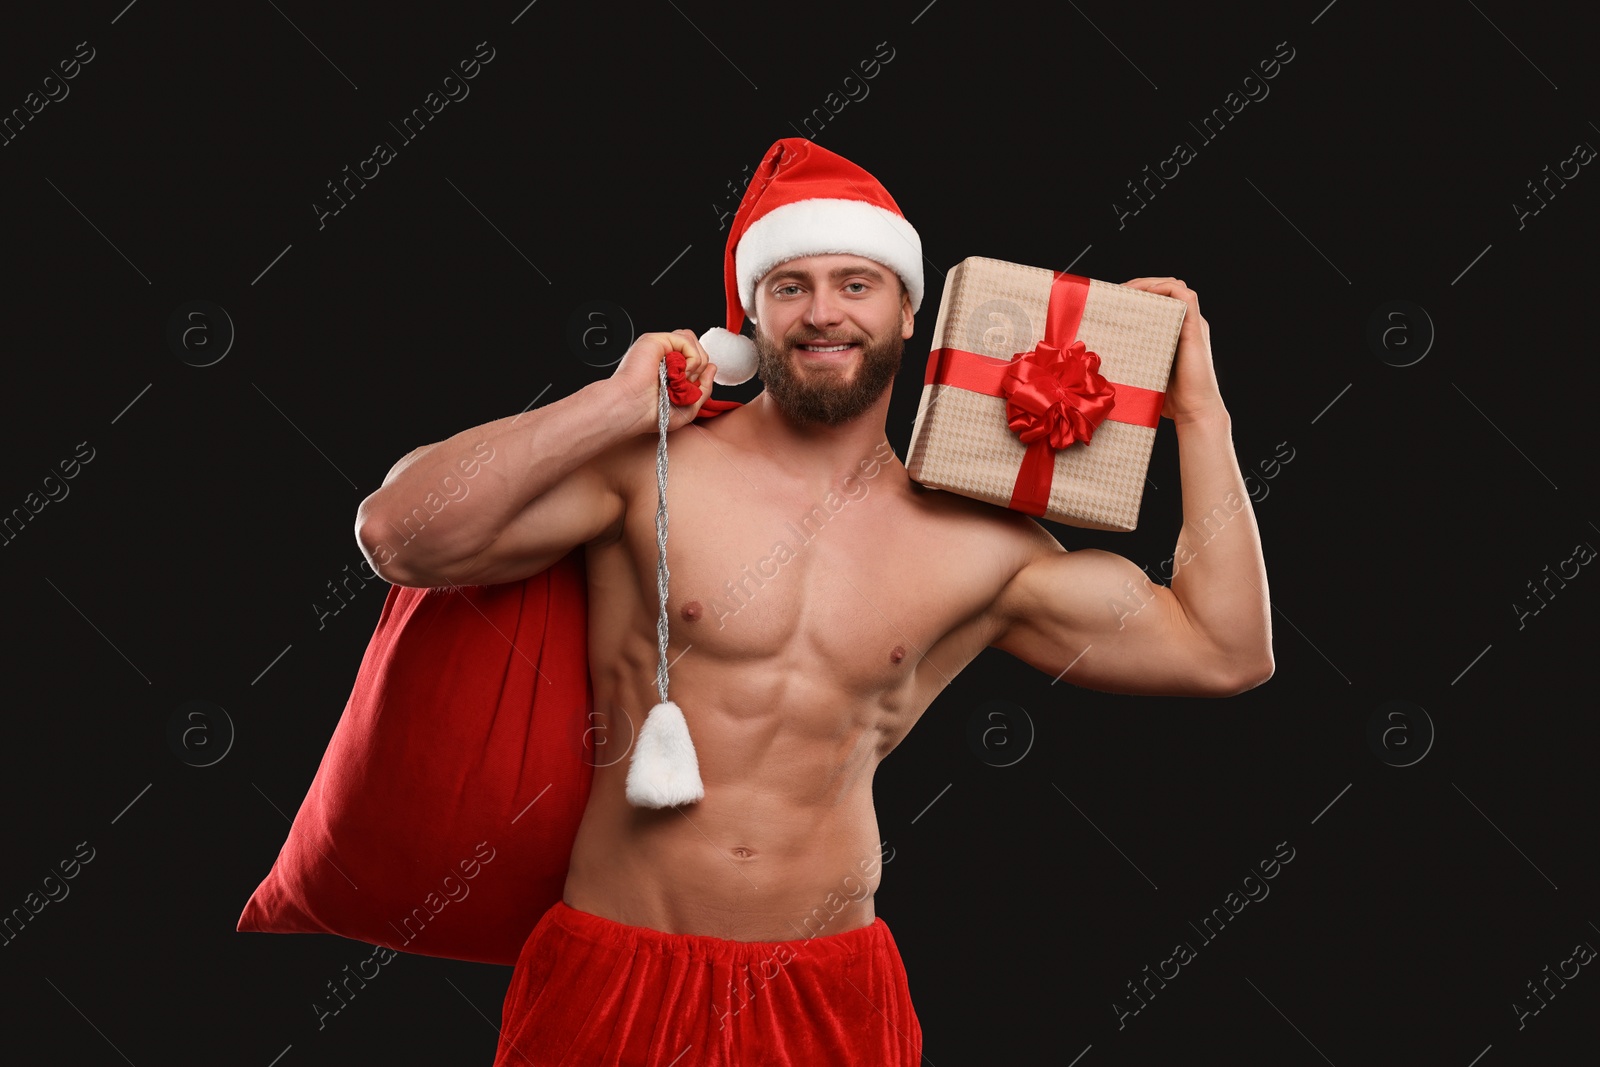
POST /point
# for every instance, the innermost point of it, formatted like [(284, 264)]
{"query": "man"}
[(742, 926)]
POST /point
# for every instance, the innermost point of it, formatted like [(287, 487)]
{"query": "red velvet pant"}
[(587, 991)]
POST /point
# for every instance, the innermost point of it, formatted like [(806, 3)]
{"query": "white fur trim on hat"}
[(734, 354), (824, 226)]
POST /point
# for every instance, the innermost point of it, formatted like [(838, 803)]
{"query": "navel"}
[(897, 653), (742, 852), (691, 611)]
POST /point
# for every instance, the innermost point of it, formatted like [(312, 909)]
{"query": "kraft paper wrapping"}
[(961, 442)]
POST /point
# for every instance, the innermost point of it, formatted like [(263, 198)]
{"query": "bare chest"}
[(854, 581)]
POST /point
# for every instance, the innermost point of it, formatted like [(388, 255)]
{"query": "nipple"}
[(691, 611), (897, 654)]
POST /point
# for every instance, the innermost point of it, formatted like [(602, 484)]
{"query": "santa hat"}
[(804, 201)]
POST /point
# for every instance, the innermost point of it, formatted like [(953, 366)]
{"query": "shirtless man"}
[(795, 698)]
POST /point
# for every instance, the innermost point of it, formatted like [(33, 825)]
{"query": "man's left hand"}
[(1192, 393)]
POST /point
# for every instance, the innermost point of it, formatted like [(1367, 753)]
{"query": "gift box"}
[(1043, 391)]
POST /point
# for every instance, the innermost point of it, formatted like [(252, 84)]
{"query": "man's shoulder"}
[(942, 505), (1001, 534), (630, 463)]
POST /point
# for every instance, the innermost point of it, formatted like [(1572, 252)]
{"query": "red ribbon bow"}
[(1055, 395)]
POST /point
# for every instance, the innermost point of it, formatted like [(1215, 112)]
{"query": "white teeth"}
[(829, 348)]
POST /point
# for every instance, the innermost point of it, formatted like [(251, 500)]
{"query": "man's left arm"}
[(1095, 619)]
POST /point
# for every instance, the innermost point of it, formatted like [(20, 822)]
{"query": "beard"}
[(820, 393)]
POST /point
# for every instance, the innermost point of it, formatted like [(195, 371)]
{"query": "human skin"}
[(797, 683)]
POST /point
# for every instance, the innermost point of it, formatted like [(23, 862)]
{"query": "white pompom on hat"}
[(804, 201)]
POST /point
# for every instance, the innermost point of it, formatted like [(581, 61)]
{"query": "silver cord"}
[(661, 534)]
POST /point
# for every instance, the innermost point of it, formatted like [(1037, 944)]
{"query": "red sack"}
[(442, 816), (417, 834)]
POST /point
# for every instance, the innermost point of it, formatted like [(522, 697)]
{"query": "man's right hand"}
[(638, 376)]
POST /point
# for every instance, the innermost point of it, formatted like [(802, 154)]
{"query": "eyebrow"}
[(836, 274)]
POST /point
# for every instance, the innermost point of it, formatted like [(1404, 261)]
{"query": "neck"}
[(816, 451)]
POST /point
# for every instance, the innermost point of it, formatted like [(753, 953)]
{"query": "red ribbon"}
[(1055, 394)]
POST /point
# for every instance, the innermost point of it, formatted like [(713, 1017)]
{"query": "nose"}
[(826, 310)]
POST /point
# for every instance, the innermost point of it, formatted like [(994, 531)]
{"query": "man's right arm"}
[(505, 500)]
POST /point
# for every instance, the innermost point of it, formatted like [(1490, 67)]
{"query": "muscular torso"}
[(812, 621)]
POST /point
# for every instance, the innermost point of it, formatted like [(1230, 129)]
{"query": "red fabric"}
[(794, 169), (416, 832), (420, 830), (587, 990), (715, 407), (680, 390)]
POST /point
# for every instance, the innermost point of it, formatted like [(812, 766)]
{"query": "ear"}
[(907, 319)]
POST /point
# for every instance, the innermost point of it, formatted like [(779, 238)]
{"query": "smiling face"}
[(830, 334)]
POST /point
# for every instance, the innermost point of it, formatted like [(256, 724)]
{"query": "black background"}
[(593, 150)]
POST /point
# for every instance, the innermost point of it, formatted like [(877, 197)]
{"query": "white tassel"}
[(664, 770)]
